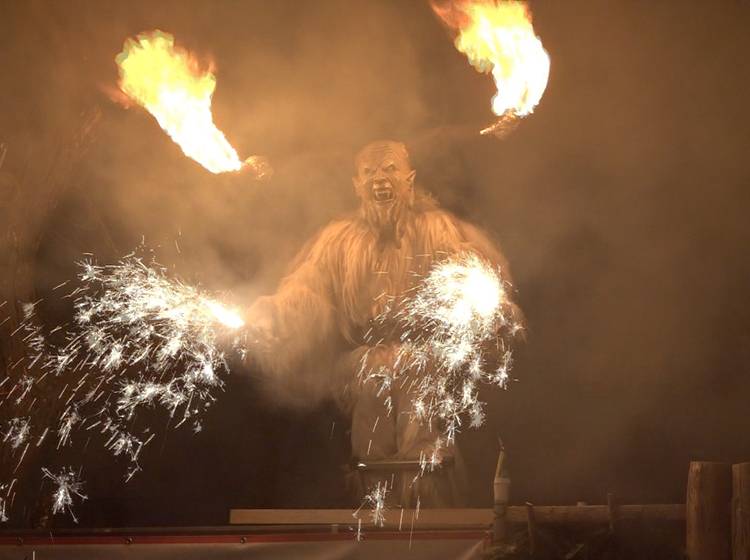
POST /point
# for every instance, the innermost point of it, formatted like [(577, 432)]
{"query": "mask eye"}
[(390, 168), (367, 171)]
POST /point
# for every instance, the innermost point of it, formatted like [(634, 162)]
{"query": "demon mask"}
[(384, 182)]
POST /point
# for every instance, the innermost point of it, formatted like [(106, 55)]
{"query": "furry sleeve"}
[(300, 315)]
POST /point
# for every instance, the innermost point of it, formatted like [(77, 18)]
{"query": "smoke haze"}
[(621, 205)]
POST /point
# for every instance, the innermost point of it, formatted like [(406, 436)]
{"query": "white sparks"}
[(67, 486), (130, 318), (4, 491), (68, 420), (375, 501), (17, 432), (456, 326)]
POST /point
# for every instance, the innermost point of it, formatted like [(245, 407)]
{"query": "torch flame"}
[(497, 36), (168, 83)]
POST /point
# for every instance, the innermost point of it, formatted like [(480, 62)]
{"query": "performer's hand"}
[(262, 331)]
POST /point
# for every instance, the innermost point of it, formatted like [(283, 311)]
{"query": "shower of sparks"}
[(140, 343), (18, 432), (375, 502), (152, 341), (67, 486), (132, 317), (456, 326)]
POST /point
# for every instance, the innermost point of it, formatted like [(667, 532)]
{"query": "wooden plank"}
[(459, 518), (433, 518), (741, 511), (708, 511), (598, 513)]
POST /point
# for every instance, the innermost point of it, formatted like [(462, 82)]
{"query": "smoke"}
[(620, 205)]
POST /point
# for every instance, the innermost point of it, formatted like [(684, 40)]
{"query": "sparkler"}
[(67, 486), (132, 314), (169, 83), (139, 340), (134, 320), (497, 37), (456, 328)]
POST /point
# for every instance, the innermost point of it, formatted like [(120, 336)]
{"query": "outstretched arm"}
[(291, 324)]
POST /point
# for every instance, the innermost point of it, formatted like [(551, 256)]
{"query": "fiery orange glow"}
[(169, 84), (497, 36)]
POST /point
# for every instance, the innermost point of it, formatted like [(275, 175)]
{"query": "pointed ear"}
[(410, 177), (355, 182)]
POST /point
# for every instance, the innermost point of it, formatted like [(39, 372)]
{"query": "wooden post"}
[(741, 511), (501, 485), (708, 511), (531, 527)]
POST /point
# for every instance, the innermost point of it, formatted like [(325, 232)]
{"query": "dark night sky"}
[(621, 205)]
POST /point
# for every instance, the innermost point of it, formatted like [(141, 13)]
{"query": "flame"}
[(169, 84), (498, 37)]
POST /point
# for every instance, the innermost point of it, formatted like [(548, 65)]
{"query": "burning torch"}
[(169, 83), (498, 38)]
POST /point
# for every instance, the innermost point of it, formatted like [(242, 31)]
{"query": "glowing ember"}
[(169, 84), (497, 36)]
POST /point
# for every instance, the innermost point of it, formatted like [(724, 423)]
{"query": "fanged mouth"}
[(383, 194)]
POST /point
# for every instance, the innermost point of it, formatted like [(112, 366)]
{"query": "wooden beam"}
[(598, 513), (445, 518), (462, 518)]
